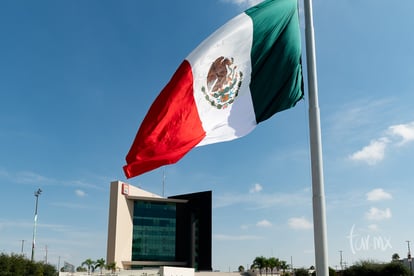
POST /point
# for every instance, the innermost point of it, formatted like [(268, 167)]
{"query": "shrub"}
[(368, 268), (18, 265)]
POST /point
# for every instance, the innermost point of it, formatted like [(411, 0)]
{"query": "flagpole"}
[(319, 215)]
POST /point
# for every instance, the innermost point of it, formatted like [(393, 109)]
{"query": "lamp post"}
[(36, 194)]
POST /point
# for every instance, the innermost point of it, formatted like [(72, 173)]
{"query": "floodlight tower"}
[(36, 194)]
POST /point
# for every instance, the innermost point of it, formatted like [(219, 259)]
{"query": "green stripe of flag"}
[(276, 79)]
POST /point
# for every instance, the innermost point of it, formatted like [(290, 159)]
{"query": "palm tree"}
[(111, 267), (283, 266), (266, 265), (100, 263), (259, 263), (89, 263), (272, 262)]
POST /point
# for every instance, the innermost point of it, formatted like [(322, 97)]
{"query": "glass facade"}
[(197, 242), (154, 231)]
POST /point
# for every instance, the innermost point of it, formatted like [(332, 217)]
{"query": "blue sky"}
[(77, 78)]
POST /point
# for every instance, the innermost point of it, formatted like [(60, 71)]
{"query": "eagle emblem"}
[(223, 83)]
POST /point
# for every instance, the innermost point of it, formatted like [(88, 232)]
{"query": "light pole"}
[(36, 194)]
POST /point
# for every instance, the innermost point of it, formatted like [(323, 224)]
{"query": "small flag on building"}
[(67, 267)]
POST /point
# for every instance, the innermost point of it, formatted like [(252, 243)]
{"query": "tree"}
[(284, 266), (5, 262), (100, 263), (273, 263), (241, 268), (331, 271), (395, 257), (89, 263), (266, 265), (111, 267), (78, 269), (34, 269), (368, 268), (395, 268), (259, 263), (19, 265), (49, 270), (301, 272)]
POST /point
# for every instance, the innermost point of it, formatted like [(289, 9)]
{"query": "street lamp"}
[(36, 194)]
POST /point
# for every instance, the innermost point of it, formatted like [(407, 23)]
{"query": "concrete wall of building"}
[(120, 224), (147, 272), (176, 271)]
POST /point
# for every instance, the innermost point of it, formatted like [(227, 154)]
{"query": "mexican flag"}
[(246, 71)]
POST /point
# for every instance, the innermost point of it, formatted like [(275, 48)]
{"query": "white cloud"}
[(378, 214), (377, 195), (405, 131), (375, 151), (31, 177), (15, 224), (80, 193), (70, 205), (245, 3), (244, 227), (299, 223), (28, 224), (263, 223), (372, 153), (28, 177), (221, 237), (256, 188)]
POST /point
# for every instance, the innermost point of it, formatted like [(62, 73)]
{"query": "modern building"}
[(147, 230)]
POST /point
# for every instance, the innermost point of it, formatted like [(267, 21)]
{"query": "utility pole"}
[(36, 194), (46, 254), (340, 260), (22, 245), (410, 261), (59, 264)]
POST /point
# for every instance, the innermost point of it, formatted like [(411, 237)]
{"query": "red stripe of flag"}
[(171, 128)]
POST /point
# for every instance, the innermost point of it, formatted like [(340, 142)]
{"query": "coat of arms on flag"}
[(223, 82)]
